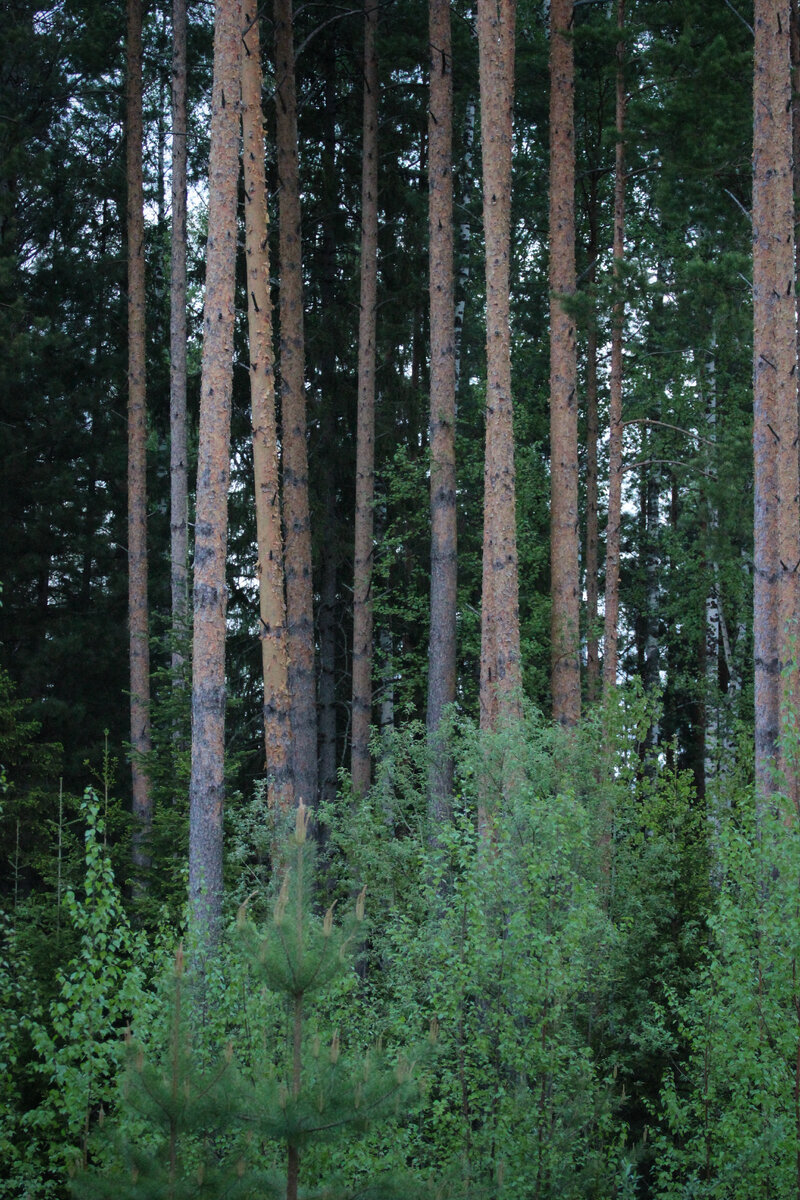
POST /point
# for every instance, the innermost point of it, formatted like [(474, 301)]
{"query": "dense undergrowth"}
[(611, 973)]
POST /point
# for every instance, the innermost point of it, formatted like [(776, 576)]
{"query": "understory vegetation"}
[(596, 996)]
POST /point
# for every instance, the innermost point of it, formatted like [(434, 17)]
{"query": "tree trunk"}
[(365, 441), (775, 386), (501, 677), (795, 52), (297, 553), (564, 549), (467, 175), (592, 539), (207, 787), (328, 376), (614, 522), (591, 561), (272, 608), (178, 523), (137, 449), (442, 647)]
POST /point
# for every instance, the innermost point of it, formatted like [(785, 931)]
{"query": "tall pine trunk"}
[(328, 403), (442, 647), (178, 521), (137, 448), (467, 183), (775, 386), (501, 679), (592, 435), (365, 440), (614, 521), (564, 551), (272, 607), (207, 784), (297, 550)]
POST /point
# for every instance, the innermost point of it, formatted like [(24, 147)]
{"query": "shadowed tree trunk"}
[(592, 539), (589, 185), (365, 442), (775, 386), (272, 608), (297, 551), (328, 402), (137, 448), (564, 551), (500, 682), (614, 522), (442, 647), (467, 184), (207, 786), (178, 522)]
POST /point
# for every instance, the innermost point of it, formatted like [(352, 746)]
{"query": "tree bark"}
[(592, 538), (500, 660), (776, 551), (501, 676), (179, 530), (467, 184), (137, 449), (207, 787), (328, 377), (564, 543), (272, 607), (365, 440), (442, 646), (614, 521), (297, 551)]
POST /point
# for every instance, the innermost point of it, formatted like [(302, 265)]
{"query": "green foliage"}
[(190, 1120), (312, 1086), (730, 1114), (75, 1039), (510, 942), (169, 1139)]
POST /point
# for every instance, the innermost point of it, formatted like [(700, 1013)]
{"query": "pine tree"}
[(363, 599), (311, 1092), (329, 387), (196, 1123), (174, 1112), (775, 385), (565, 626), (137, 448), (297, 547), (272, 605), (444, 554), (178, 472), (614, 522), (207, 786), (500, 637)]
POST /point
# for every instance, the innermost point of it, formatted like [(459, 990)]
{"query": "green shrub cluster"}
[(611, 976)]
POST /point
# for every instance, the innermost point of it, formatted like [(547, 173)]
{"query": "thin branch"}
[(667, 425), (746, 24), (739, 204), (668, 462)]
